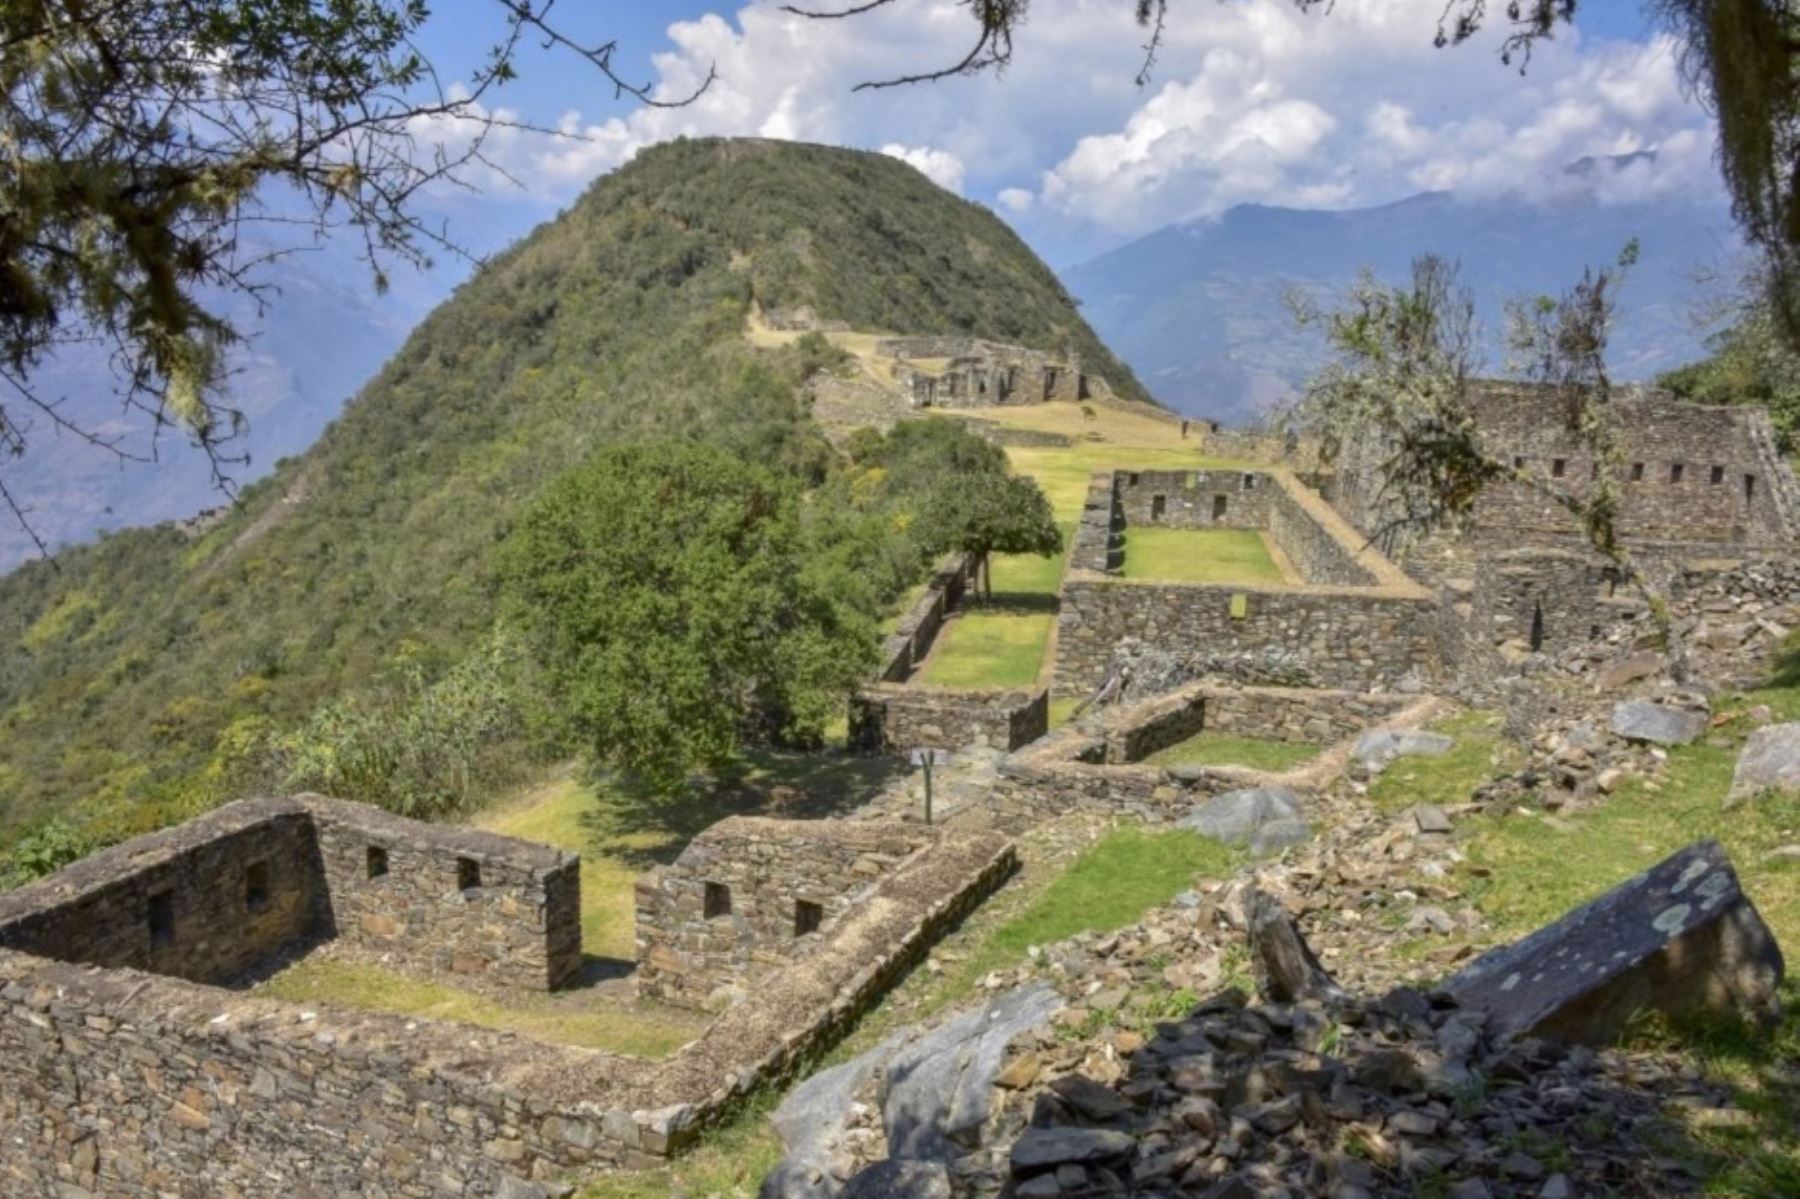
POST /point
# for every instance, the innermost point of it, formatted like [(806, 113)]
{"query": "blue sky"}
[(1252, 102)]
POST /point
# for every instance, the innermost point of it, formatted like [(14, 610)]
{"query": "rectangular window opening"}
[(1219, 506), (1559, 467), (256, 886), (1518, 462), (1676, 470), (1249, 482), (1157, 505), (808, 917), (718, 900), (377, 861), (1749, 488), (468, 874), (1637, 472), (161, 914), (1717, 477)]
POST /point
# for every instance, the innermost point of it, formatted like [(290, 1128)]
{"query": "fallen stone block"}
[(1681, 938), (899, 1180), (1770, 761), (1377, 748), (1287, 971), (1640, 720), (1045, 1148), (1267, 819)]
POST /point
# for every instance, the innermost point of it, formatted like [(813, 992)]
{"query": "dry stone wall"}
[(1194, 499), (918, 627), (750, 894), (206, 901), (140, 1086), (1342, 637), (887, 719)]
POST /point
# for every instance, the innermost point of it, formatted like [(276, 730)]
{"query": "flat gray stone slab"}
[(1377, 748), (1640, 720), (938, 1085), (899, 1180), (1043, 1148), (1680, 938), (1770, 761), (1266, 819)]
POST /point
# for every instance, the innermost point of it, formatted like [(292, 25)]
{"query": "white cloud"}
[(1252, 102), (940, 166)]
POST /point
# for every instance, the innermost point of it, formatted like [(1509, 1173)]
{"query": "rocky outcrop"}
[(1659, 724), (1770, 761), (1680, 938)]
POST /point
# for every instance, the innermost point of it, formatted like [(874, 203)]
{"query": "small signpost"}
[(929, 758)]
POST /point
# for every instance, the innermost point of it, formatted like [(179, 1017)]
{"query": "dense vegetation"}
[(135, 673), (1750, 364)]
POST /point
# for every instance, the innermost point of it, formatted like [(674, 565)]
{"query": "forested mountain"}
[(1200, 310), (134, 670)]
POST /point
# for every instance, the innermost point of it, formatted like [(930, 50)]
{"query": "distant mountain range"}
[(1199, 310)]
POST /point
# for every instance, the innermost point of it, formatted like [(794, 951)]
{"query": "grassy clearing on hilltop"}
[(1200, 556), (1226, 749)]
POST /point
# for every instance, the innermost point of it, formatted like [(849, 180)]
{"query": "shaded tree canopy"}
[(986, 513), (666, 590), (139, 139)]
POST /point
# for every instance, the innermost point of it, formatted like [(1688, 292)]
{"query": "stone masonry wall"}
[(1318, 557), (730, 907), (206, 901), (137, 1086), (518, 925), (1292, 714), (1345, 637), (890, 719), (254, 881), (918, 627), (1194, 499), (1688, 472)]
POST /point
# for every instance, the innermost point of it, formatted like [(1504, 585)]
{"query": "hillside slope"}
[(1200, 312), (126, 674)]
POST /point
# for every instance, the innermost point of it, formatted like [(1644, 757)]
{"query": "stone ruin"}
[(1345, 617), (139, 1066), (966, 372)]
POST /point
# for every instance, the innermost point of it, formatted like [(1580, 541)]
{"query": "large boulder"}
[(1267, 819), (1770, 762), (1640, 720), (1377, 748), (1680, 938), (931, 1086)]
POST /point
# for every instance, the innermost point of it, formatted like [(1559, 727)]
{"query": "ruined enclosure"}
[(1689, 474), (222, 898), (748, 895), (135, 1070), (966, 372), (1102, 763), (1353, 620)]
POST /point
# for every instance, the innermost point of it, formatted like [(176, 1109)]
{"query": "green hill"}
[(129, 670)]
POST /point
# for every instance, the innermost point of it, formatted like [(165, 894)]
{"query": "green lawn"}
[(1524, 871), (562, 1018), (1199, 556), (1226, 749), (1478, 755), (1000, 644)]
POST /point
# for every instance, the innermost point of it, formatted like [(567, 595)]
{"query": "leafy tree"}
[(139, 140), (1402, 379), (1750, 363), (665, 590), (987, 513)]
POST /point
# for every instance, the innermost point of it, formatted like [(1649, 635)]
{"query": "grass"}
[(1226, 749), (617, 1028), (1477, 756), (1524, 872), (1200, 556), (1111, 884)]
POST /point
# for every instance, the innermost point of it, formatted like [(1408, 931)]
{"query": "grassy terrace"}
[(1004, 645), (1226, 749), (1200, 556), (1525, 869)]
